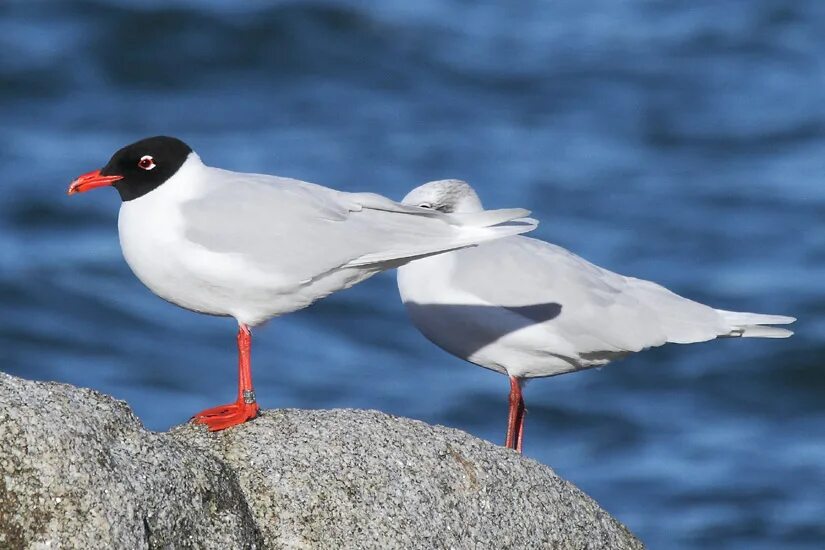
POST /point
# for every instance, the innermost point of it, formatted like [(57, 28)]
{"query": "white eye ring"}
[(146, 162), (425, 205)]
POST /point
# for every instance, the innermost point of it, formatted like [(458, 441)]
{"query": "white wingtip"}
[(756, 325), (761, 331), (488, 218)]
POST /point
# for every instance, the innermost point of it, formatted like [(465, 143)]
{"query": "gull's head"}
[(445, 196), (138, 168)]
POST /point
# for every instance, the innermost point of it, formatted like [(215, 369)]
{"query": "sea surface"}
[(682, 142)]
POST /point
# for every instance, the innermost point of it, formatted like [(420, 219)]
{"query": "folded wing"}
[(302, 230), (599, 311)]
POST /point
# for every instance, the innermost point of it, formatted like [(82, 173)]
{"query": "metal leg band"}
[(249, 396)]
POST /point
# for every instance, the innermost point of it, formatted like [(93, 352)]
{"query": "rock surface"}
[(77, 470)]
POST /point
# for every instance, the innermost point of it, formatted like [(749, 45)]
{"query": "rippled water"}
[(681, 142)]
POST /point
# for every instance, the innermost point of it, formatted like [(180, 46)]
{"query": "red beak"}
[(90, 181)]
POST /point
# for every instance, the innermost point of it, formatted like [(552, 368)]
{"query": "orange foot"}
[(225, 416)]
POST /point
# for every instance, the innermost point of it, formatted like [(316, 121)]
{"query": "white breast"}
[(151, 237)]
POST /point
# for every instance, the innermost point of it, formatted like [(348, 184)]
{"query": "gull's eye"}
[(146, 162), (425, 205)]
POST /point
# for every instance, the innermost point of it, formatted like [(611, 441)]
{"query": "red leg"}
[(515, 419), (245, 407), (521, 413)]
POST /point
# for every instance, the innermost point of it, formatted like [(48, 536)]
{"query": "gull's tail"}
[(756, 325)]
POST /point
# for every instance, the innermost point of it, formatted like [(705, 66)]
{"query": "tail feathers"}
[(467, 236), (754, 325)]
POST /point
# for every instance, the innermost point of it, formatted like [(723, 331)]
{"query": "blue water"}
[(682, 142)]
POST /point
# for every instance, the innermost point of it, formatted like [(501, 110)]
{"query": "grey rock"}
[(77, 470), (364, 479)]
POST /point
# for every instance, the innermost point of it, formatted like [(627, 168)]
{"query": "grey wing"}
[(305, 230), (275, 224), (592, 308)]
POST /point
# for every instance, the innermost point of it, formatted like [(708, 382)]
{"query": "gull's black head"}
[(138, 168)]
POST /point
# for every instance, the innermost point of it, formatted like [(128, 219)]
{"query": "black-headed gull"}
[(529, 309), (253, 246)]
